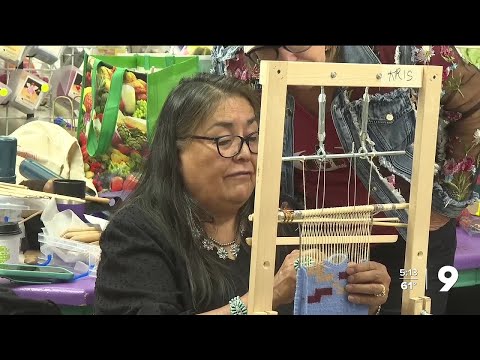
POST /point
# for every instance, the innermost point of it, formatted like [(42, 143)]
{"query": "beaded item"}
[(210, 243)]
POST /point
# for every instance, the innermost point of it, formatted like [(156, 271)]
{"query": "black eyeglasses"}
[(229, 146), (271, 52)]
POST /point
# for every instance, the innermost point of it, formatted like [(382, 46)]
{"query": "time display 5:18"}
[(408, 272)]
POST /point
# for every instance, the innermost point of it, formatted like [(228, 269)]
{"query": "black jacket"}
[(142, 273)]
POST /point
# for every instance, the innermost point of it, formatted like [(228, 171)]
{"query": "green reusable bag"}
[(471, 54), (122, 97)]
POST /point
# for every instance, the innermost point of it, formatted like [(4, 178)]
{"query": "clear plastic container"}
[(73, 255), (470, 223), (10, 203), (11, 210), (10, 237)]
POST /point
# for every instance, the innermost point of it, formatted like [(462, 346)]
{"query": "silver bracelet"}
[(378, 310), (237, 307)]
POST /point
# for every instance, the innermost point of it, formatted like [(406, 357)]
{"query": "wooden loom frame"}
[(275, 76)]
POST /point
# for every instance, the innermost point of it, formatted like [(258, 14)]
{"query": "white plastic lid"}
[(11, 203)]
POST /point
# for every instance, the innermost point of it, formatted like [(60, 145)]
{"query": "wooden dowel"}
[(300, 215), (15, 188), (12, 193), (39, 194), (98, 199), (7, 185), (30, 217), (319, 220), (376, 223)]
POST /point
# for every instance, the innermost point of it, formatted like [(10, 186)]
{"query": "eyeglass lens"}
[(229, 146)]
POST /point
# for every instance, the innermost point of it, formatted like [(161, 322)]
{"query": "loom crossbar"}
[(283, 215), (295, 240)]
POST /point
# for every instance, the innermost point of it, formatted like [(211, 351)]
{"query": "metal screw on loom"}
[(379, 76), (333, 75)]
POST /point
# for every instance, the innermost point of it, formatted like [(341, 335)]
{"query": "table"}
[(467, 259), (73, 297), (77, 297)]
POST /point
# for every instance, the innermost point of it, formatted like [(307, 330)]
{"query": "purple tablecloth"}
[(81, 292), (468, 251), (77, 293)]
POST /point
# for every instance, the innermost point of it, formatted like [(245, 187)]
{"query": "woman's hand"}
[(368, 283), (285, 280)]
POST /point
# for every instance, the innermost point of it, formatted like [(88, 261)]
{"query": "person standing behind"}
[(391, 125)]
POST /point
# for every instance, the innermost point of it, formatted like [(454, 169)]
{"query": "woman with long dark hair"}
[(178, 244)]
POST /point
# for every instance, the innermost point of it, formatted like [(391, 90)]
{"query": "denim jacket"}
[(391, 126)]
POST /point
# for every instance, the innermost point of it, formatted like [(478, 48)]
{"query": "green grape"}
[(140, 109)]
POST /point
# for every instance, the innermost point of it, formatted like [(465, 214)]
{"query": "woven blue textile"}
[(321, 291)]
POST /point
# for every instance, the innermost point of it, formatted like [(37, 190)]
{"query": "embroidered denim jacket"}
[(391, 126)]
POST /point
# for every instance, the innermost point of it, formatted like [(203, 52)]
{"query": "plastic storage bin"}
[(73, 255), (28, 91), (46, 54), (13, 54), (67, 81)]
